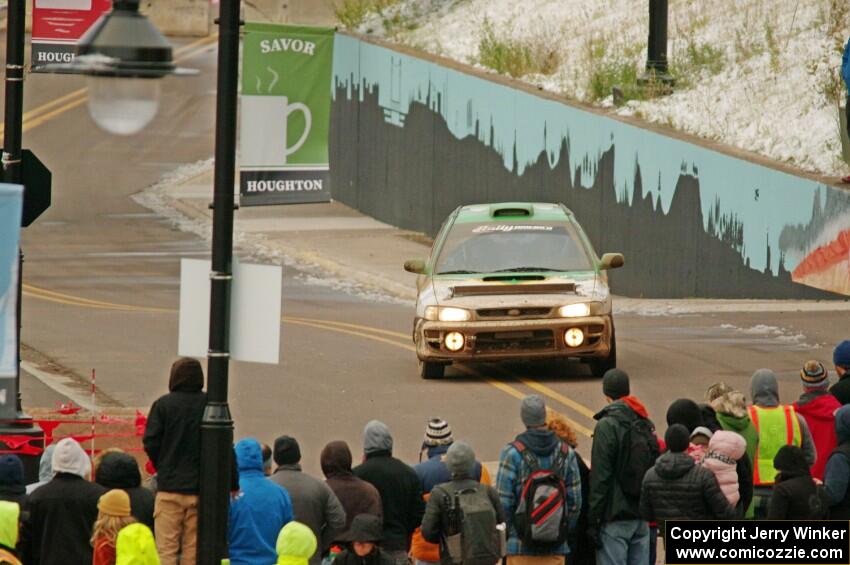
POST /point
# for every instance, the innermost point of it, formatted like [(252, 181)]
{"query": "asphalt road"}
[(102, 276)]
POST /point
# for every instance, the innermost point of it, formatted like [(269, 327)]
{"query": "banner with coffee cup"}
[(286, 106)]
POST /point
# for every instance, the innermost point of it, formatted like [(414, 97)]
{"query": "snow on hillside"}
[(761, 75)]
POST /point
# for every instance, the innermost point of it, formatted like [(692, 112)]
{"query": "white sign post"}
[(255, 303)]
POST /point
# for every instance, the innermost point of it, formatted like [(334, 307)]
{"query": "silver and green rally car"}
[(513, 281)]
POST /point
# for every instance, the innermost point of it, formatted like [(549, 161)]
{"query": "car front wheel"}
[(428, 370)]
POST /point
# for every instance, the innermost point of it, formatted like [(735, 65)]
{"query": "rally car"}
[(513, 281)]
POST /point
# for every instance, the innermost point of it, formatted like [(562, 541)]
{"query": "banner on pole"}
[(286, 105), (57, 25), (255, 301), (11, 208)]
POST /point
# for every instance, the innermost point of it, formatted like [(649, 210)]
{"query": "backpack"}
[(471, 536), (541, 517), (638, 454)]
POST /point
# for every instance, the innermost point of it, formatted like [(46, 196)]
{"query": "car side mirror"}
[(415, 266), (611, 261)]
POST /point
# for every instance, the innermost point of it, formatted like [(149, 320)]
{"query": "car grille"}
[(513, 313), (533, 340)]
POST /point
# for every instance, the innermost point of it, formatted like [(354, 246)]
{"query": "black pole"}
[(656, 56), (12, 134), (12, 173), (217, 425)]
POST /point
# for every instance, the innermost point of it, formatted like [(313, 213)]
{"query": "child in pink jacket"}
[(724, 450)]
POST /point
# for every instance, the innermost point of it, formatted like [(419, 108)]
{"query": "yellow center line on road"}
[(41, 114), (366, 332)]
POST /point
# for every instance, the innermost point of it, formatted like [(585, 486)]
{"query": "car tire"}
[(602, 365), (430, 371)]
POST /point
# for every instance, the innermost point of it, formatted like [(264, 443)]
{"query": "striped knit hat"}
[(437, 433), (814, 375)]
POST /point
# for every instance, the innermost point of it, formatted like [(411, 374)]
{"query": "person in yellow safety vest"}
[(777, 425), (10, 514)]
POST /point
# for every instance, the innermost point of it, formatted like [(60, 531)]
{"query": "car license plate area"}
[(533, 340)]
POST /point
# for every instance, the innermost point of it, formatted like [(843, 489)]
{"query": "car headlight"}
[(447, 314), (579, 310)]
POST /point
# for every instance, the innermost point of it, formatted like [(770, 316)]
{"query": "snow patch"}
[(256, 247), (778, 61)]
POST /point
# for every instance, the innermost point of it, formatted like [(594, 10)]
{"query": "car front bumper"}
[(493, 340)]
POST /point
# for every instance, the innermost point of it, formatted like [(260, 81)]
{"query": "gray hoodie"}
[(45, 468), (377, 437), (765, 392)]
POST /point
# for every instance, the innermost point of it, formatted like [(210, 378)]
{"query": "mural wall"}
[(411, 140)]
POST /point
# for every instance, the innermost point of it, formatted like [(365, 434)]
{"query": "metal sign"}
[(37, 179), (57, 25), (255, 301), (286, 104)]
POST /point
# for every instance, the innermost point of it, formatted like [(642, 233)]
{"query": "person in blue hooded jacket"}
[(836, 476), (258, 511)]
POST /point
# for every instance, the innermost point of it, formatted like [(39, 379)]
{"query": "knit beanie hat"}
[(686, 412), (438, 432), (615, 384), (533, 411), (286, 451), (460, 459), (11, 470), (841, 354), (115, 502), (701, 431), (677, 438), (814, 375)]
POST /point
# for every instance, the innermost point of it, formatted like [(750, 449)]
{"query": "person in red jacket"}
[(818, 407)]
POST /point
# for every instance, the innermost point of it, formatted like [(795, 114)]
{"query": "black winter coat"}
[(797, 498), (607, 501), (62, 514), (841, 389), (676, 488), (121, 471), (401, 497), (172, 440), (582, 549)]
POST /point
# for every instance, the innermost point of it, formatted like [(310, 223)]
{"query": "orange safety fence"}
[(103, 430)]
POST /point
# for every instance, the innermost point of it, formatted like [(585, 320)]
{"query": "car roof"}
[(501, 211)]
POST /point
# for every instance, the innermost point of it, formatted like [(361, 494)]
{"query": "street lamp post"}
[(656, 51), (124, 45), (217, 425)]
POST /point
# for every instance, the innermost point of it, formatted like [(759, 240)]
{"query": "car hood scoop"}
[(513, 277), (490, 289)]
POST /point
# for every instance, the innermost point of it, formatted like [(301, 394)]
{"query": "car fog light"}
[(454, 341), (573, 337)]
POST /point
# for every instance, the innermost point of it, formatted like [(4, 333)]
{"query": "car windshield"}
[(512, 246)]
